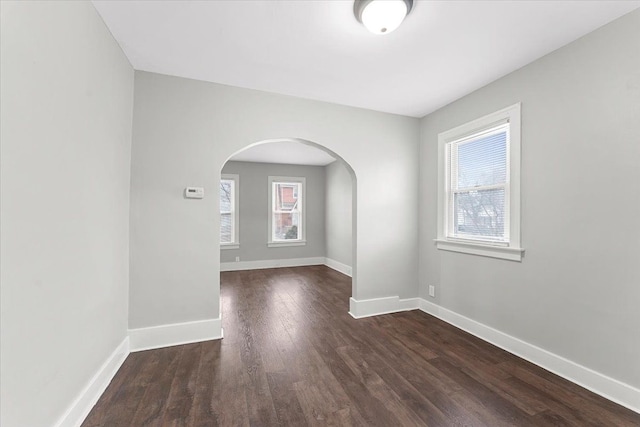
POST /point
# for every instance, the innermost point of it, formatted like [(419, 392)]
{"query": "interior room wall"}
[(254, 211), (183, 133), (66, 111), (576, 292), (338, 216)]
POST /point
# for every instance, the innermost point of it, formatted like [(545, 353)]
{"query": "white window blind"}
[(478, 194)]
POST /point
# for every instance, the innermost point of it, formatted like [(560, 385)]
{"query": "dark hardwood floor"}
[(292, 355)]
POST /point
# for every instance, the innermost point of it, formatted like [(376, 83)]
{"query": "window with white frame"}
[(229, 212), (479, 186), (286, 211)]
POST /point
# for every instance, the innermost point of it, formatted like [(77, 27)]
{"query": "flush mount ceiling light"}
[(381, 16)]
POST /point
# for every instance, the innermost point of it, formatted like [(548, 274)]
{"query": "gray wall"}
[(254, 214), (67, 94), (183, 133), (577, 291), (338, 213)]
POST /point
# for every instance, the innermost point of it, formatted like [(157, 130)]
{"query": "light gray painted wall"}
[(254, 214), (185, 130), (338, 213), (67, 98), (577, 291)]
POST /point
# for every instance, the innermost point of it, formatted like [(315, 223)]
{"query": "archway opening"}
[(286, 203)]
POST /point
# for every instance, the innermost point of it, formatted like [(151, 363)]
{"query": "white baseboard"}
[(175, 334), (290, 262), (409, 304), (607, 387), (270, 263), (376, 306), (338, 266), (86, 400)]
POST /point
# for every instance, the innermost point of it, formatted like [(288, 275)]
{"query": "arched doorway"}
[(232, 242)]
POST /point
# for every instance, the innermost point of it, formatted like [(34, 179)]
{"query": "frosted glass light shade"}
[(383, 16)]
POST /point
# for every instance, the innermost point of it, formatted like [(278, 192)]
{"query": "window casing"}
[(479, 186), (286, 211), (229, 218)]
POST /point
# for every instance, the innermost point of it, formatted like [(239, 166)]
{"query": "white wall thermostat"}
[(194, 193)]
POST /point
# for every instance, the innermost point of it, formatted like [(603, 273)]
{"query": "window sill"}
[(285, 244), (502, 252), (226, 246)]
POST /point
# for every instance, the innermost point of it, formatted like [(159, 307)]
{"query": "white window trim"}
[(280, 243), (510, 250), (236, 216)]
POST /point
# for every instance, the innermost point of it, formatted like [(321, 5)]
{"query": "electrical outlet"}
[(237, 259), (432, 291)]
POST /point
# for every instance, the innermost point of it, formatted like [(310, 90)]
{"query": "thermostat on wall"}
[(194, 192)]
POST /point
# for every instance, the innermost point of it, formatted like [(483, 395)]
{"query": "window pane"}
[(227, 209), (483, 161), (286, 226), (286, 196), (226, 228), (479, 213), (226, 195)]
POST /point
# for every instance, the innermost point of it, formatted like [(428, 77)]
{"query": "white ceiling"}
[(317, 49), (290, 153)]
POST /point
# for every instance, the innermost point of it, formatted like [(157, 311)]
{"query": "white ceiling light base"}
[(381, 16)]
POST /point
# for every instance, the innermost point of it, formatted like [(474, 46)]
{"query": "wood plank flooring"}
[(293, 356)]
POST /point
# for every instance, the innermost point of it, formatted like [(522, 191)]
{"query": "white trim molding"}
[(235, 209), (271, 263), (229, 246), (175, 334), (290, 262), (609, 388), (338, 266), (510, 248), (503, 252), (302, 209), (376, 306), (284, 243), (88, 397)]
